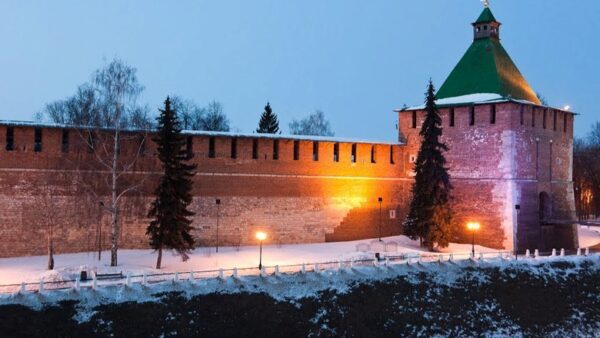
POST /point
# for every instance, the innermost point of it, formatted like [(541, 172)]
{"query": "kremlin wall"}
[(510, 162)]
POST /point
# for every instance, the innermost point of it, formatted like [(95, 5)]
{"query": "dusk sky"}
[(355, 60)]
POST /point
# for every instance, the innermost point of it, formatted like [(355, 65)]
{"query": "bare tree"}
[(586, 173), (191, 115), (215, 119), (315, 124), (49, 207), (106, 112)]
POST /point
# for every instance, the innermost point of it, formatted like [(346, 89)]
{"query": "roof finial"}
[(486, 3)]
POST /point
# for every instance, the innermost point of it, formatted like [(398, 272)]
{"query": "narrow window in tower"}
[(537, 159), (373, 154), (451, 117), (234, 148), (37, 140), (472, 115), (493, 114), (189, 147), (353, 155), (392, 155), (565, 122), (544, 118), (255, 149), (336, 152), (275, 149), (550, 167), (10, 139), (414, 119), (533, 117), (65, 141), (296, 150), (522, 114), (211, 147), (555, 120), (315, 151)]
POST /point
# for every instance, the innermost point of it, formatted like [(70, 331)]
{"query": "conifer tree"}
[(170, 229), (268, 123), (430, 215)]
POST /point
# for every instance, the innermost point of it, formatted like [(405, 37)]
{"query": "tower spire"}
[(486, 3)]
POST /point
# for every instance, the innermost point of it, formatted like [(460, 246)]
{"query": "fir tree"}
[(268, 123), (430, 215), (170, 229)]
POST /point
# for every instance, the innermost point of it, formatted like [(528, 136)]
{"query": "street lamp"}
[(261, 236), (380, 199), (218, 201), (473, 227)]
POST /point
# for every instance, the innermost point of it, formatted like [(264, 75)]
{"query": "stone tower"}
[(510, 156)]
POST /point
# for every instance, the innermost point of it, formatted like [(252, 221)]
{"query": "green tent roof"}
[(486, 67), (486, 16)]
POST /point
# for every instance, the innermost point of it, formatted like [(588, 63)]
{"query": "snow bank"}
[(291, 287)]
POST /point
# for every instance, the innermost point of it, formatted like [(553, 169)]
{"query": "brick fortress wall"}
[(282, 186), (297, 190)]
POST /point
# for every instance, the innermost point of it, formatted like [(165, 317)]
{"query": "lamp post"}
[(218, 201), (380, 199), (473, 227), (261, 236)]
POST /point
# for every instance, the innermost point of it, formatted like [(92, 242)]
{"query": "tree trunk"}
[(50, 250), (159, 258), (114, 203)]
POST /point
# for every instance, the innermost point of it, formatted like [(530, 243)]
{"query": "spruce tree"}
[(268, 123), (430, 215), (170, 229)]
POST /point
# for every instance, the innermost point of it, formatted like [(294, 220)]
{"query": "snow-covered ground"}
[(68, 266)]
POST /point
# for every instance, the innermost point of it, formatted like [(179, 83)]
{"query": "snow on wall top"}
[(34, 124), (477, 99)]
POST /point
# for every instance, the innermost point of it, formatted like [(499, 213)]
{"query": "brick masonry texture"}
[(315, 197)]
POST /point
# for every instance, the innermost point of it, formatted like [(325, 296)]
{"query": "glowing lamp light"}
[(261, 236), (473, 226)]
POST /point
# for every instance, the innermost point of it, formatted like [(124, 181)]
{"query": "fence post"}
[(481, 256), (553, 252), (176, 278), (578, 251), (587, 251), (339, 265), (144, 278), (221, 274), (387, 261), (23, 288), (451, 258), (235, 272), (263, 272), (95, 282), (527, 253), (536, 253), (128, 280), (440, 258), (276, 270), (41, 285), (77, 284), (303, 268), (191, 278), (562, 252), (351, 263)]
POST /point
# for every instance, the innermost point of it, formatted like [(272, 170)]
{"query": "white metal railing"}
[(389, 260)]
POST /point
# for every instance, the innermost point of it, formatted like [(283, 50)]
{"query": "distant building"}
[(510, 159)]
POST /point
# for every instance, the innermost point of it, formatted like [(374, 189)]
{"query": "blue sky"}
[(355, 60)]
